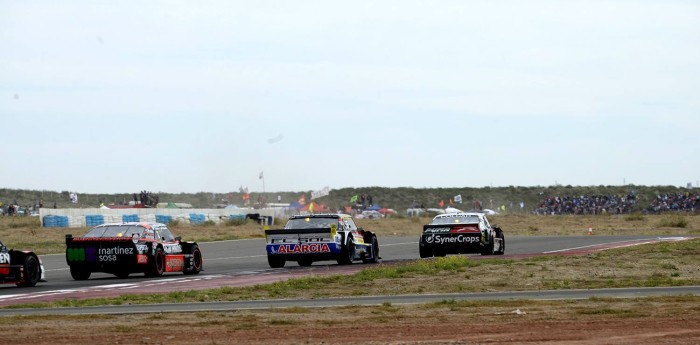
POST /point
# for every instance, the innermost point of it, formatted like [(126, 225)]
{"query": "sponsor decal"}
[(141, 248), (4, 258), (141, 258), (443, 230), (109, 254), (302, 248), (172, 248), (75, 254), (438, 239), (116, 251), (174, 263), (91, 254)]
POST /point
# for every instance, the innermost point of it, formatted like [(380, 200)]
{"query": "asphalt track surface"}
[(244, 262)]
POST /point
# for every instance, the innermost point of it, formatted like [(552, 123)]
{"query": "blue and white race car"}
[(319, 237)]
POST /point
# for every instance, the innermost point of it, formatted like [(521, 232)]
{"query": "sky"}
[(190, 96)]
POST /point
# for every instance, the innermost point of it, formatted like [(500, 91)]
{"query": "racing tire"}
[(375, 252), (502, 249), (196, 261), (347, 252), (488, 248), (157, 266), (304, 263), (275, 262), (424, 251), (79, 273), (32, 272)]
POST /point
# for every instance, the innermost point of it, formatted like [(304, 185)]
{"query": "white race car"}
[(461, 233)]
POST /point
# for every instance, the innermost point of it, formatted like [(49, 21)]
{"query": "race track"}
[(244, 262)]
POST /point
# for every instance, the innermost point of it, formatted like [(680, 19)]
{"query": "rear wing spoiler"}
[(70, 239), (440, 228), (299, 231), (314, 234)]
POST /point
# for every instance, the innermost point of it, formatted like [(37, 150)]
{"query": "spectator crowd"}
[(587, 204), (689, 202), (146, 198)]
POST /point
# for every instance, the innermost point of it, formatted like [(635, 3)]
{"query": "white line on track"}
[(57, 269), (629, 244)]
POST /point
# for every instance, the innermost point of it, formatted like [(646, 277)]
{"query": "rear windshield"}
[(310, 223), (115, 231), (467, 219)]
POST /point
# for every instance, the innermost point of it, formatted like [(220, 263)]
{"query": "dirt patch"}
[(667, 320)]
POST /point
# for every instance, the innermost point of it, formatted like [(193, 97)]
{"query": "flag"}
[(353, 200), (442, 204), (261, 175), (458, 198), (311, 207)]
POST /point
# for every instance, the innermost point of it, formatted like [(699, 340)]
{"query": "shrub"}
[(673, 221), (235, 221), (634, 217)]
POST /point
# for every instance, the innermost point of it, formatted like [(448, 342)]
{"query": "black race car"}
[(125, 248), (22, 268), (461, 233)]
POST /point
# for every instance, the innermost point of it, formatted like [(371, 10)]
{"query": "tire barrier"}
[(197, 218), (90, 217), (55, 221), (165, 219), (130, 218), (94, 220), (238, 217)]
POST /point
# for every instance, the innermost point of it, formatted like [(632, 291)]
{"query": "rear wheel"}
[(196, 261), (488, 248), (79, 273), (502, 247), (347, 252), (375, 251), (157, 265), (275, 262), (32, 271), (424, 251)]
